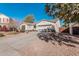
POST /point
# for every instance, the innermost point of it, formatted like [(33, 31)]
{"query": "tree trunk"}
[(70, 29)]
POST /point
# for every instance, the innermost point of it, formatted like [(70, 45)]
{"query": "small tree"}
[(29, 19)]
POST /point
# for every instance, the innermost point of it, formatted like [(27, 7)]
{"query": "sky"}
[(20, 10)]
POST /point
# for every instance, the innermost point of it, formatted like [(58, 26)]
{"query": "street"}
[(24, 44)]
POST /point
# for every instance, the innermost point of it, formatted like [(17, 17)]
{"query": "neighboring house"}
[(13, 25), (75, 29), (27, 26), (54, 24), (5, 22)]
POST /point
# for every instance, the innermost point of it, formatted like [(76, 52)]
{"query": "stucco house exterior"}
[(44, 24), (75, 29), (6, 22), (27, 26)]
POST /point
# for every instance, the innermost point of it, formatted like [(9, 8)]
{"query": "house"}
[(13, 25), (44, 24), (27, 26), (5, 23), (75, 29)]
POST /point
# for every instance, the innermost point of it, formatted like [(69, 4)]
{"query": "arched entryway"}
[(23, 28), (4, 28)]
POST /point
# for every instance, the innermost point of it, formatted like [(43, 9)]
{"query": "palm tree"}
[(67, 11)]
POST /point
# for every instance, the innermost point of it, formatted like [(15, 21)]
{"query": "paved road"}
[(28, 44)]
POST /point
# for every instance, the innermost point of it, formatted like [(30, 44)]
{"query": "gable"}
[(3, 16), (45, 23)]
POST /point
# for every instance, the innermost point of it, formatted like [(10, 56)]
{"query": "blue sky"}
[(20, 10)]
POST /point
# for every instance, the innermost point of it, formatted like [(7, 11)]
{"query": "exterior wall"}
[(4, 24), (4, 20), (23, 25), (43, 25), (4, 27), (27, 27), (30, 28), (56, 25), (56, 28)]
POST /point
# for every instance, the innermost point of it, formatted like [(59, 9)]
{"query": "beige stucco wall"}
[(55, 25), (27, 27)]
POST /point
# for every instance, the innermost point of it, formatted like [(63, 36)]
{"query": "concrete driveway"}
[(12, 44), (24, 44)]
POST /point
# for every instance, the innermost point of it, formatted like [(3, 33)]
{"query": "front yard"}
[(2, 34), (24, 44)]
